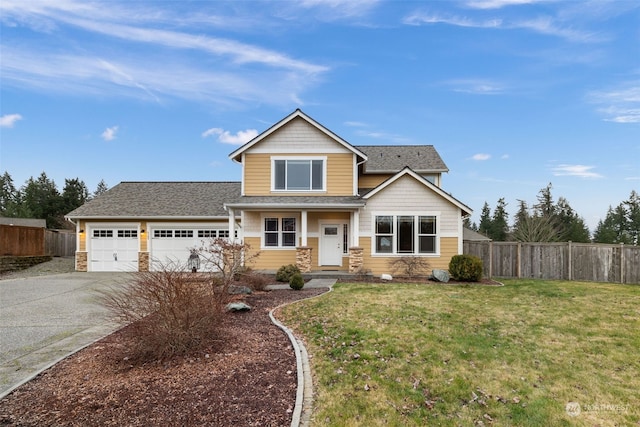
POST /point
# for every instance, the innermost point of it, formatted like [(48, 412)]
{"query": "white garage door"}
[(172, 246), (114, 249)]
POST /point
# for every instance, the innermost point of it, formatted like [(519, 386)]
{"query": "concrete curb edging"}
[(304, 394), (102, 332)]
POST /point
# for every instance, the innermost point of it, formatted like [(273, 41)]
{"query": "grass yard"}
[(531, 353)]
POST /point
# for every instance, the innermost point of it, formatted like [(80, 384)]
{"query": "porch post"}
[(303, 226), (355, 228), (232, 225)]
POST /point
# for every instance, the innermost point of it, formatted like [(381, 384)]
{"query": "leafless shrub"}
[(409, 266), (170, 312), (255, 281), (226, 259)]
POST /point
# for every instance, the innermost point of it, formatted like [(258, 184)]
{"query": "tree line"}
[(550, 221), (40, 198)]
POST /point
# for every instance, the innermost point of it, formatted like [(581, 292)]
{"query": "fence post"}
[(518, 260), (490, 259), (621, 262), (570, 262)]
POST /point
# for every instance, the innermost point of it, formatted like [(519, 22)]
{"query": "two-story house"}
[(307, 197)]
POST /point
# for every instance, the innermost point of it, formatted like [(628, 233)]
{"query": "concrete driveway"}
[(46, 318)]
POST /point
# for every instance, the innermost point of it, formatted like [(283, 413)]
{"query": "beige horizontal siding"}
[(257, 174), (372, 181)]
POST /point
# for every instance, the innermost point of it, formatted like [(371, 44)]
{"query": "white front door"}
[(331, 244)]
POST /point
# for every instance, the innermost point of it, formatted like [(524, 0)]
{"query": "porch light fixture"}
[(82, 230)]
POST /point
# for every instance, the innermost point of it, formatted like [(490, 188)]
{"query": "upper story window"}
[(298, 174)]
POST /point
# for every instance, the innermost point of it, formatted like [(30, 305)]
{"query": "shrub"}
[(285, 272), (409, 266), (170, 312), (296, 282), (466, 268), (256, 281)]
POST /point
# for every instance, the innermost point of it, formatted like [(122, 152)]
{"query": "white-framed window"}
[(280, 232), (128, 233), (162, 233), (298, 174), (406, 234), (102, 233), (183, 233)]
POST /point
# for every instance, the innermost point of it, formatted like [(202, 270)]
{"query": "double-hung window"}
[(406, 234), (298, 174), (279, 232)]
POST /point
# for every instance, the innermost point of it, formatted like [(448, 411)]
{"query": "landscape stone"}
[(238, 306), (440, 275)]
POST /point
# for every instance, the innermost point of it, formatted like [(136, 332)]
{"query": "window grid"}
[(412, 234), (102, 233), (280, 232), (128, 233)]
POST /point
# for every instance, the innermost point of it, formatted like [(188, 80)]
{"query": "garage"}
[(171, 245), (113, 248)]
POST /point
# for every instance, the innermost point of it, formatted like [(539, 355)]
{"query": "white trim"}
[(279, 215), (414, 214), (299, 158), (322, 223), (297, 113)]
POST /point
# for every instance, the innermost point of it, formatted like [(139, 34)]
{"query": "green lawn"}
[(415, 355)]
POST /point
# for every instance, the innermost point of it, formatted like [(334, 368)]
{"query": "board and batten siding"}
[(257, 174), (410, 197)]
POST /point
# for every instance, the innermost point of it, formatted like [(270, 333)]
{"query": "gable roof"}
[(407, 171), (161, 200), (393, 158), (296, 114)]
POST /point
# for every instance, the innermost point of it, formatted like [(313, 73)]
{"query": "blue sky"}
[(514, 94)]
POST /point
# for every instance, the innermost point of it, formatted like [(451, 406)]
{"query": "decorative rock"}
[(237, 290), (386, 277), (238, 306), (440, 275)]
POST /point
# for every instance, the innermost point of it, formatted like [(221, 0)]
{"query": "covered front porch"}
[(318, 234)]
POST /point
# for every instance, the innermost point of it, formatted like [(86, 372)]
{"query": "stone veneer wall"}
[(356, 260), (303, 259), (81, 261), (143, 261)]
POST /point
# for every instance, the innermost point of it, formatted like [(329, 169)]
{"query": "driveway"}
[(46, 318)]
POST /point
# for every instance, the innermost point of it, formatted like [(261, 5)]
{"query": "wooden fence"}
[(18, 240), (562, 261), (59, 243)]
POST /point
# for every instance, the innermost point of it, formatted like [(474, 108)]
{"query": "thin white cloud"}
[(476, 86), (226, 137), (542, 25), (504, 157), (109, 134), (619, 105), (481, 156), (341, 8), (8, 120), (272, 77), (580, 171), (355, 124), (383, 135), (496, 4)]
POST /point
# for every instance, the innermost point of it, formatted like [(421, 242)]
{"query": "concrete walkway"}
[(45, 319)]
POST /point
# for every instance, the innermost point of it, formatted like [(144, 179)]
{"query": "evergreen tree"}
[(74, 194), (545, 205), (633, 217), (500, 222), (9, 197), (41, 199), (100, 189), (571, 226), (485, 220)]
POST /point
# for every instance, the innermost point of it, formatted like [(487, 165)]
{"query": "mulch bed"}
[(245, 376)]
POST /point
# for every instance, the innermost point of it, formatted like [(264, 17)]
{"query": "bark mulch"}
[(245, 376)]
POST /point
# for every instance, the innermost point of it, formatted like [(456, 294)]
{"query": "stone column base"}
[(81, 261), (303, 258), (356, 260), (143, 261)]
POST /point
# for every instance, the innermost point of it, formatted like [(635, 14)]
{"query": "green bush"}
[(466, 268), (296, 282), (286, 271)]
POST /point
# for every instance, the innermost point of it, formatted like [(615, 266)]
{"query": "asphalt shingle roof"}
[(162, 199), (393, 158)]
